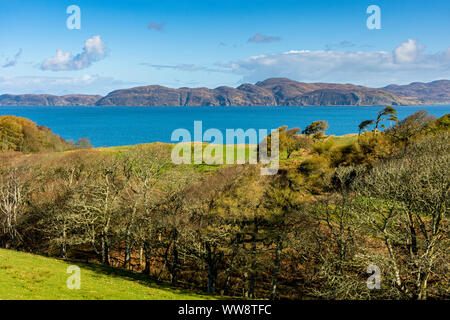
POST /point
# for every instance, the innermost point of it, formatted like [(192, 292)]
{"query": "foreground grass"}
[(25, 276)]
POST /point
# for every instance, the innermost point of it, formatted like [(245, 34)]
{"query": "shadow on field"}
[(135, 276)]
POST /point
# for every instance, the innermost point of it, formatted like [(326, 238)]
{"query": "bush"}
[(318, 173), (443, 123), (323, 147), (345, 155), (83, 143)]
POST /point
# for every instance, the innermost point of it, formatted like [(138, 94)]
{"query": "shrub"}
[(83, 143), (318, 173), (443, 123), (323, 147)]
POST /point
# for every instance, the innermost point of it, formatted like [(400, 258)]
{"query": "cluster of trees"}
[(290, 140), (23, 135), (234, 232)]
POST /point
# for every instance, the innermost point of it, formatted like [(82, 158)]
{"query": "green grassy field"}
[(26, 276)]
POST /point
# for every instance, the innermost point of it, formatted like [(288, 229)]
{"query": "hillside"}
[(270, 92), (432, 92), (291, 93), (26, 276)]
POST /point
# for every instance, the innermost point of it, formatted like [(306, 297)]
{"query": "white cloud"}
[(407, 52), (407, 63), (94, 50), (85, 84)]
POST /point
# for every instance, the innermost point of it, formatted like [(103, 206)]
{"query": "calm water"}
[(114, 126)]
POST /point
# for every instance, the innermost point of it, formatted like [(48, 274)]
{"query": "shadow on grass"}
[(138, 277)]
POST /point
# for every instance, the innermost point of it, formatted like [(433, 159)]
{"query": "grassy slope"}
[(28, 276)]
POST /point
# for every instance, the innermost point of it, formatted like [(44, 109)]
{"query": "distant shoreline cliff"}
[(270, 92)]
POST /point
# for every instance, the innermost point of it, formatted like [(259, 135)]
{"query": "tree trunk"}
[(422, 292), (230, 269), (173, 265), (276, 268), (147, 260), (127, 258), (105, 252), (62, 251), (212, 270), (63, 246), (141, 254), (251, 288), (128, 241)]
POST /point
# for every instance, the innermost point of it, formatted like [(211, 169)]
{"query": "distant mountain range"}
[(48, 100), (270, 92)]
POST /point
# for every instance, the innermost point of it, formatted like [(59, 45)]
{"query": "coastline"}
[(225, 106)]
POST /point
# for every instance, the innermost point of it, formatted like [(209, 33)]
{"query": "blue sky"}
[(209, 43)]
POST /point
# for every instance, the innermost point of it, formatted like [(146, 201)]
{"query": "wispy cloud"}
[(184, 67), (406, 63), (94, 50), (12, 62), (345, 44), (85, 84), (156, 26), (260, 38)]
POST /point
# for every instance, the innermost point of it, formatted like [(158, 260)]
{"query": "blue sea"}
[(115, 126)]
